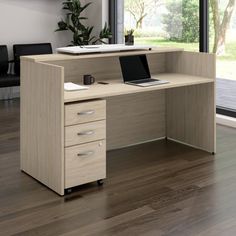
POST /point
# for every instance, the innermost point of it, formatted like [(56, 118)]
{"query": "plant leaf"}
[(85, 6)]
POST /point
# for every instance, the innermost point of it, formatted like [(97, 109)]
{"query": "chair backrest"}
[(29, 49), (3, 60)]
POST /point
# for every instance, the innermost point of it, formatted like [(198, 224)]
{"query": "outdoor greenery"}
[(178, 20), (182, 20), (221, 20), (139, 9), (229, 55), (82, 35)]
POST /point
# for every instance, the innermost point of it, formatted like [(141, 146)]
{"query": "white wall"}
[(31, 21), (34, 21), (97, 14)]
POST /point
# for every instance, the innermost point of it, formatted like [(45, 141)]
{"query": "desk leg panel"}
[(191, 116), (42, 123)]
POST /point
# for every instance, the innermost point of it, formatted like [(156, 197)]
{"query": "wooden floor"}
[(154, 189), (226, 93)]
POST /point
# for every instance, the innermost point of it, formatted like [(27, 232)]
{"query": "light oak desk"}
[(65, 135)]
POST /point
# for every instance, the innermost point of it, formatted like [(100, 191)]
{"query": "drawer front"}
[(84, 133), (85, 163), (85, 112)]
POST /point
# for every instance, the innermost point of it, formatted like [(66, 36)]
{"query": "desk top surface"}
[(117, 87)]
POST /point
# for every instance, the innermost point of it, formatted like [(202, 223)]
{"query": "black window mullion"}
[(204, 25), (113, 20)]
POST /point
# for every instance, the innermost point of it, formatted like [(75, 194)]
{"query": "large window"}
[(208, 25)]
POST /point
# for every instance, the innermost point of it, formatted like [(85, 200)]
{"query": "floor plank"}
[(158, 188)]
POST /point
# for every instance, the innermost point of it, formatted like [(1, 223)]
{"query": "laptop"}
[(136, 71)]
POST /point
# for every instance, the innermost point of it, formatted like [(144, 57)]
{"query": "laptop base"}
[(147, 82)]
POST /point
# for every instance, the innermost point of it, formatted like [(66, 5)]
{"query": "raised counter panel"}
[(105, 68), (192, 63)]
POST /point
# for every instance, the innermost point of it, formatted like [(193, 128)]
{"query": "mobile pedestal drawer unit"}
[(85, 143)]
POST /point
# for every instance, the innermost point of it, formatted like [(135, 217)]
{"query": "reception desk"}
[(65, 135)]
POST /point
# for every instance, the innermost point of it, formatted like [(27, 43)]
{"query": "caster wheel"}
[(68, 191), (100, 182)]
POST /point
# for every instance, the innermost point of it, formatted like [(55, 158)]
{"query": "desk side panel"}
[(136, 118), (191, 116), (107, 68), (42, 123)]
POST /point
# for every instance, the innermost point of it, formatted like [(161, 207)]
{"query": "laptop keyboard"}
[(143, 81)]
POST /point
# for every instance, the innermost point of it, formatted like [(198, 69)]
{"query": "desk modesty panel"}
[(63, 134)]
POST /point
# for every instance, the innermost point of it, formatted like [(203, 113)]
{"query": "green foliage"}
[(82, 35), (105, 33), (182, 20), (129, 32)]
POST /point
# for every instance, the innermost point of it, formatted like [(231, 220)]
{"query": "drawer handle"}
[(83, 113), (85, 154), (90, 132)]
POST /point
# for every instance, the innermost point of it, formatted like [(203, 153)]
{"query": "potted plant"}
[(129, 37), (82, 35)]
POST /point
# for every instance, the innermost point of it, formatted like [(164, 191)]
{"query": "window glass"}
[(163, 22)]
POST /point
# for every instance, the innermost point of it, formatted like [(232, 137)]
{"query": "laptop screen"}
[(134, 68)]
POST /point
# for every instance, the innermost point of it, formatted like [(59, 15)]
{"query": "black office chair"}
[(3, 60), (29, 49), (6, 80)]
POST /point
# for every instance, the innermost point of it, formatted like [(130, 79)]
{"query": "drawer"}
[(85, 163), (85, 133), (85, 112)]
